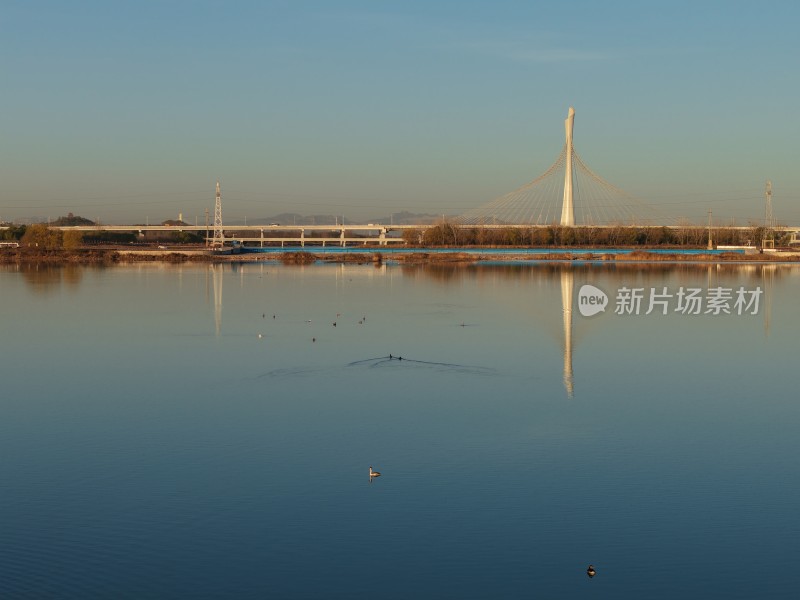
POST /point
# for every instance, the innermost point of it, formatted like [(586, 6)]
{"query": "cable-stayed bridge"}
[(568, 193)]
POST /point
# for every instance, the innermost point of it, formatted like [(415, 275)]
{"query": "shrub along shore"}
[(110, 256)]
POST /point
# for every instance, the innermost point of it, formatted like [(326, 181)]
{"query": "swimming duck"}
[(373, 473), (590, 571)]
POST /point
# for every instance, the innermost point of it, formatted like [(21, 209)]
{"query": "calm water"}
[(154, 446)]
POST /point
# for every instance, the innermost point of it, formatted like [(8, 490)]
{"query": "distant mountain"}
[(71, 220), (292, 219), (407, 218)]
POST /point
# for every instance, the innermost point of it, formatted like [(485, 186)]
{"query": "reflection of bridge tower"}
[(568, 208), (567, 279)]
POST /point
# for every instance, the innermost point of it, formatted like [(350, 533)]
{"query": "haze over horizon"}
[(130, 111)]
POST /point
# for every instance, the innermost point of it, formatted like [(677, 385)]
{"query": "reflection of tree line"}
[(43, 275), (46, 277), (642, 272)]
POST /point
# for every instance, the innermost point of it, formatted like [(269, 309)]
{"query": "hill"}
[(71, 220)]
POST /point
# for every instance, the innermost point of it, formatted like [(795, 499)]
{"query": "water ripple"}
[(290, 372), (400, 361)]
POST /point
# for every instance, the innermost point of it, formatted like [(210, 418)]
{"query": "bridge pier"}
[(382, 237), (341, 237), (302, 238)]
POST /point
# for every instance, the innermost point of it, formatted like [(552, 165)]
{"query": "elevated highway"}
[(351, 234)]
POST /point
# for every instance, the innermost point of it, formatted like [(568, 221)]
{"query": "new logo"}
[(591, 300)]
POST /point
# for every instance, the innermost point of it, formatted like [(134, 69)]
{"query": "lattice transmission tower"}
[(218, 240), (769, 221)]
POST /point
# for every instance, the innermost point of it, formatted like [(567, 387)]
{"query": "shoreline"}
[(110, 256)]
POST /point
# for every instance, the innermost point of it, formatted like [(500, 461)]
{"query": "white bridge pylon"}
[(568, 194)]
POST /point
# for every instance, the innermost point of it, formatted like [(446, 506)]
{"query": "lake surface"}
[(206, 431)]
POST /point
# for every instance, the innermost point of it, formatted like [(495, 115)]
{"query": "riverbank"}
[(618, 256), (380, 255)]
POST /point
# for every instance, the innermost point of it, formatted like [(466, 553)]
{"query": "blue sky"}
[(127, 111)]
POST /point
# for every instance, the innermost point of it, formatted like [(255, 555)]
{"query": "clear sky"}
[(127, 111)]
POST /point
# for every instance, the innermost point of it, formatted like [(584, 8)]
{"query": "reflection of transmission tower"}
[(769, 222), (768, 279), (217, 274), (219, 236)]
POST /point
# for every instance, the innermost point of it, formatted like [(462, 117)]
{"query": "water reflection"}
[(567, 283), (216, 274), (690, 428), (631, 272), (643, 275), (768, 283), (44, 278), (538, 282)]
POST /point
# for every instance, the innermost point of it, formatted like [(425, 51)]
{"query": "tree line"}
[(451, 234), (41, 237)]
